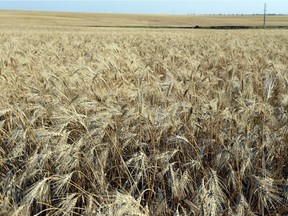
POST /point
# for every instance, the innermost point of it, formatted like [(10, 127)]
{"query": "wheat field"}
[(64, 19), (143, 122)]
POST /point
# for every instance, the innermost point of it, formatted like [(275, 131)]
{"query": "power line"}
[(264, 21)]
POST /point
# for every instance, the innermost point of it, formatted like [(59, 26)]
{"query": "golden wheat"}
[(143, 122)]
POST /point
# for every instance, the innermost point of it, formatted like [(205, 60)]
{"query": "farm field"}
[(143, 122), (27, 18)]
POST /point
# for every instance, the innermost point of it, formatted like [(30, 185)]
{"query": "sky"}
[(152, 6)]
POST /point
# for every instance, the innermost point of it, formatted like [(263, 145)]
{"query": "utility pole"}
[(264, 21)]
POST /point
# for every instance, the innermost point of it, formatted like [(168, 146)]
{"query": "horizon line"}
[(182, 14)]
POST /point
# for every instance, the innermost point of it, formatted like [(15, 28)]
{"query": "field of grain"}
[(28, 18), (143, 122)]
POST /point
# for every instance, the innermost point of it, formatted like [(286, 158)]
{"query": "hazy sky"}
[(152, 7)]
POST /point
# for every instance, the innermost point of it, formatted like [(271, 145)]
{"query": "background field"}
[(16, 18)]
